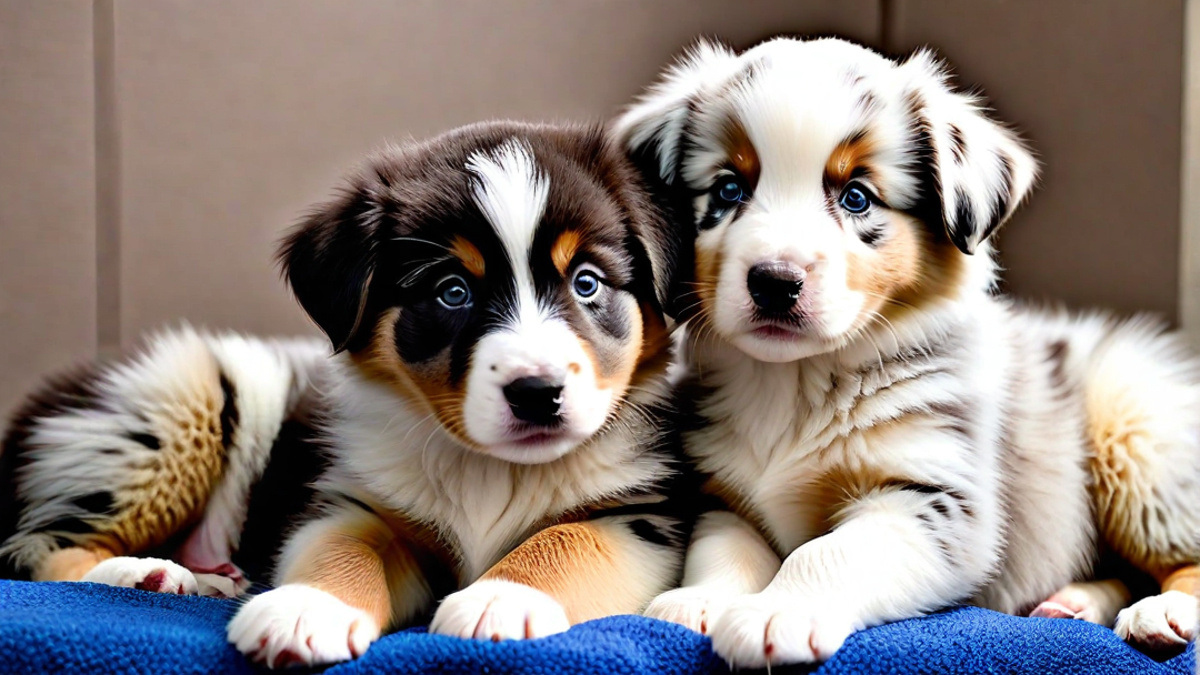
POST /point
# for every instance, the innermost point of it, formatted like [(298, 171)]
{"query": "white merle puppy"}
[(888, 436), (496, 296)]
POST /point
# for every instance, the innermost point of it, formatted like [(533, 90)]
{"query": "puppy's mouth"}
[(535, 436), (775, 332), (784, 328)]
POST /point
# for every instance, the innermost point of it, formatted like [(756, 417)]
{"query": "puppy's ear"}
[(329, 260), (666, 254), (651, 130), (973, 172)]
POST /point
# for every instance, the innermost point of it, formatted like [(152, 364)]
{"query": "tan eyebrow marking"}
[(470, 256), (564, 250), (852, 153), (741, 152)]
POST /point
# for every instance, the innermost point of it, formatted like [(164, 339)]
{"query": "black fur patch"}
[(279, 497), (149, 440), (646, 531), (962, 227), (230, 415), (69, 526), (871, 235), (99, 503)]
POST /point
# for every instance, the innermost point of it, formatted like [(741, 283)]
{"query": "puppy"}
[(156, 472), (888, 436), (495, 297)]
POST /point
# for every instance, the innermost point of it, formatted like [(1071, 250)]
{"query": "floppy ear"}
[(973, 171), (651, 130), (329, 260)]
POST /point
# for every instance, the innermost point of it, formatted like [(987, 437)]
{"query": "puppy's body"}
[(493, 420), (163, 455), (889, 436), (490, 421)]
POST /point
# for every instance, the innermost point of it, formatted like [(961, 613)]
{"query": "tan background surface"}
[(152, 150)]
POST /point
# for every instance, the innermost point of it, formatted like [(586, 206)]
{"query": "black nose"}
[(775, 287), (534, 399)]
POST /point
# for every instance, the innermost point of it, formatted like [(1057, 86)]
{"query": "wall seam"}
[(886, 28), (108, 181), (1189, 174)]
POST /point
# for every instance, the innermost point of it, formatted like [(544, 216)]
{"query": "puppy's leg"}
[(344, 577), (69, 564), (1143, 400), (1168, 621), (894, 554), (98, 565), (1092, 601), (727, 558), (563, 575)]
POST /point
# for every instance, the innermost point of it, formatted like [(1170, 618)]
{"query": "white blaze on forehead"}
[(512, 194)]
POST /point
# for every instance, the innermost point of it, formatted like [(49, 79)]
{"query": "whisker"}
[(418, 240)]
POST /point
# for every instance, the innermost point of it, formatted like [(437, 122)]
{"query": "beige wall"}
[(152, 150), (47, 190)]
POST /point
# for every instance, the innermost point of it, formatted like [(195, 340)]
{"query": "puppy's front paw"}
[(762, 630), (692, 607), (146, 574), (1160, 623), (499, 610), (300, 625)]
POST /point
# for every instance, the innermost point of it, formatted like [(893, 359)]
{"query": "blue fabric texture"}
[(86, 628)]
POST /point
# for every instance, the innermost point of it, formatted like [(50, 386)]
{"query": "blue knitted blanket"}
[(84, 628)]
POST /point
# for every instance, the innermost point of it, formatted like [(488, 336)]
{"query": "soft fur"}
[(162, 454), (447, 273), (443, 274), (888, 436)]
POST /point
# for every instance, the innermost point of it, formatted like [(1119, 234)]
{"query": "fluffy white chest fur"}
[(481, 506), (791, 437), (1031, 421)]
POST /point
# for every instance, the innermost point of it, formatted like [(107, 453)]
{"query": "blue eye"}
[(728, 192), (586, 283), (854, 199), (453, 293)]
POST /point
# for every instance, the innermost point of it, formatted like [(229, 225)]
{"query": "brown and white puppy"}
[(495, 295), (889, 436)]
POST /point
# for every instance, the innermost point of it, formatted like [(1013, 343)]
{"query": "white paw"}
[(147, 574), (300, 625), (694, 607), (499, 610), (756, 631), (1160, 622)]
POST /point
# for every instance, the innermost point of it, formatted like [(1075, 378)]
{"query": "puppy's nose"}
[(535, 400), (775, 286)]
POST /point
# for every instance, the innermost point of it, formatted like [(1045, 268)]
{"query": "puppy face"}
[(500, 278), (831, 188)]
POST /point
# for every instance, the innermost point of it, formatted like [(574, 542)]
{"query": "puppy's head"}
[(831, 188), (501, 277)]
